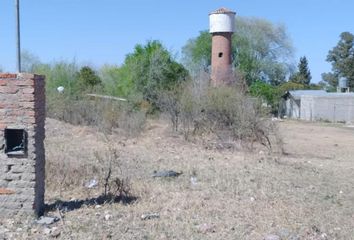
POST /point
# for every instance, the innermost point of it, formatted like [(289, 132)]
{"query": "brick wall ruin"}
[(22, 156)]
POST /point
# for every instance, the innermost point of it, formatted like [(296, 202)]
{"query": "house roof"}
[(296, 94), (337, 95)]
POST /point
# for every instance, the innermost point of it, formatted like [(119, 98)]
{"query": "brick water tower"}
[(222, 25)]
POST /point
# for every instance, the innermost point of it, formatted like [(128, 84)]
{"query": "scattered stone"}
[(47, 231), (92, 183), (55, 232), (324, 236), (168, 173), (194, 180), (47, 220), (150, 216), (98, 206), (107, 217), (272, 237)]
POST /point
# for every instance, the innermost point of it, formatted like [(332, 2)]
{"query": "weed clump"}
[(106, 114), (227, 114)]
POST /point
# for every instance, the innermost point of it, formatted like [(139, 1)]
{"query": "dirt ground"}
[(223, 193)]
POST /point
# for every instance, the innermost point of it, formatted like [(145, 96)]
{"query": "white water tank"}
[(222, 20), (343, 82)]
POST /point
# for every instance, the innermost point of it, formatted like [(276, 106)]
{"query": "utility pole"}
[(18, 43)]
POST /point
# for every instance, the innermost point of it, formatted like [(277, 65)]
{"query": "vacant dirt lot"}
[(305, 193)]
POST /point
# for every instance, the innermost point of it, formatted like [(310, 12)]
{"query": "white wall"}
[(338, 108), (292, 108)]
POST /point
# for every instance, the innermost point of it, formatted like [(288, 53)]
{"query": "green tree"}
[(265, 91), (329, 81), (303, 76), (342, 59), (151, 69), (261, 51), (29, 61), (197, 53), (59, 74), (287, 86), (116, 80), (87, 78)]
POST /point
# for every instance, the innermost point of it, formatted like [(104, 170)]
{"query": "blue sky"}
[(103, 31)]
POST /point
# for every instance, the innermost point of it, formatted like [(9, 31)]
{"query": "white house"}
[(291, 105), (317, 105)]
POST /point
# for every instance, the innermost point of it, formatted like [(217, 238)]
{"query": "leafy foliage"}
[(152, 69), (303, 76), (59, 74), (29, 61), (197, 53), (264, 91), (88, 78), (116, 80), (342, 59), (330, 80), (281, 89)]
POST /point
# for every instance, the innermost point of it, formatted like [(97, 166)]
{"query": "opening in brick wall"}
[(15, 141)]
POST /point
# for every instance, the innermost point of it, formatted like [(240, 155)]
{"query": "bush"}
[(225, 113), (106, 114), (103, 172), (151, 68), (87, 78)]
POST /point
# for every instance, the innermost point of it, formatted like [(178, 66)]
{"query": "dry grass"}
[(308, 192), (104, 114)]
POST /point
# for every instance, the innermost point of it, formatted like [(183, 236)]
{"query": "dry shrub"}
[(227, 114), (115, 186), (102, 172), (169, 102), (103, 113)]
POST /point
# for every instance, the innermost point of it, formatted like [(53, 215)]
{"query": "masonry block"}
[(22, 155)]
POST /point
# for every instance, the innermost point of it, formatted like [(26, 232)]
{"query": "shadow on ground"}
[(67, 206)]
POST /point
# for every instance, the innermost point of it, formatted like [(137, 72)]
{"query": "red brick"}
[(4, 191), (7, 105), (9, 90), (30, 113), (28, 90), (25, 82), (26, 98), (27, 105), (221, 58), (8, 75), (3, 82)]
